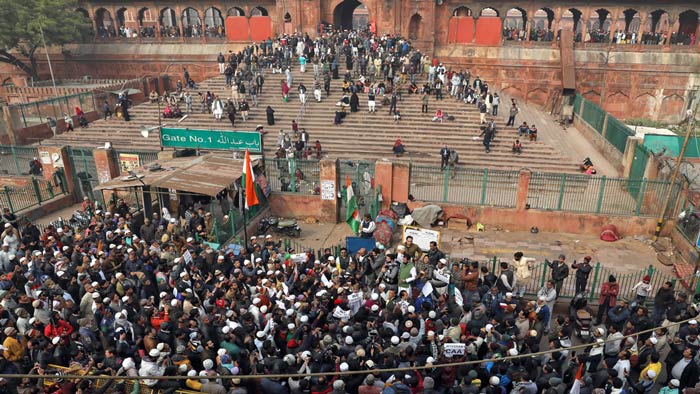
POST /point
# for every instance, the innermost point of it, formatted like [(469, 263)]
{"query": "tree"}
[(21, 22)]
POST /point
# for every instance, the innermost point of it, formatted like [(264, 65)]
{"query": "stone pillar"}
[(59, 159), (530, 17), (10, 125), (476, 20), (613, 25), (93, 19), (400, 182), (178, 21), (523, 190), (673, 25), (383, 176), (584, 26), (107, 168), (642, 26), (329, 175)]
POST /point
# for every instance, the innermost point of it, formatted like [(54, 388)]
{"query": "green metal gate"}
[(361, 174), (85, 171), (639, 165)]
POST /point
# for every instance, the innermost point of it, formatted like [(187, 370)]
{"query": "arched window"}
[(542, 25), (688, 25), (105, 24), (414, 27), (462, 11), (213, 22), (258, 11), (489, 11), (168, 23), (191, 23), (515, 24), (287, 17), (235, 11)]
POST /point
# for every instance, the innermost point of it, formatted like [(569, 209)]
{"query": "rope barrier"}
[(346, 373)]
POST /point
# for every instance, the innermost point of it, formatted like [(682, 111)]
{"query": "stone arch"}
[(235, 11), (600, 20), (462, 11), (191, 23), (83, 12), (658, 21), (259, 11), (516, 18), (571, 20), (415, 26), (287, 17), (687, 24), (672, 106), (512, 91), (168, 18), (144, 16), (592, 96), (213, 18), (541, 22), (121, 17), (537, 96), (350, 14), (489, 12), (643, 105), (104, 22), (629, 21)]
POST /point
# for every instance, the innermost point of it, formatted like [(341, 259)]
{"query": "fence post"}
[(484, 184), (544, 273), (37, 192), (697, 282), (9, 200), (650, 270), (446, 184), (601, 193), (233, 222), (493, 264), (50, 189), (640, 196), (595, 281), (562, 186), (291, 164), (14, 156), (604, 131)]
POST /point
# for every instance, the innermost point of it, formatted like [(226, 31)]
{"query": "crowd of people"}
[(122, 299)]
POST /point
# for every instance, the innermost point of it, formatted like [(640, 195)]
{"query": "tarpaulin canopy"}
[(207, 175)]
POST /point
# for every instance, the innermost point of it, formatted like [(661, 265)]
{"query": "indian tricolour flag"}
[(352, 217), (248, 182)]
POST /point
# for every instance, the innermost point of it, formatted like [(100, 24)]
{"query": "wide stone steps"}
[(361, 136)]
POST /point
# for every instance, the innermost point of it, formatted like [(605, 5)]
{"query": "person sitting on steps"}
[(517, 147)]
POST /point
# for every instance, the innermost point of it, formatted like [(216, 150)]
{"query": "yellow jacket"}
[(656, 367), (14, 349)]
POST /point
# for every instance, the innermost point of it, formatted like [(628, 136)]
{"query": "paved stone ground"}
[(568, 140), (624, 256)]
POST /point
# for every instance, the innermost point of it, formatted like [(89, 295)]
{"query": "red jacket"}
[(60, 329), (611, 289)]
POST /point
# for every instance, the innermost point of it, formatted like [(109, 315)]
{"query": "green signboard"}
[(211, 139)]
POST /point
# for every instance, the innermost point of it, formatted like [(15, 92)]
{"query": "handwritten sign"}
[(328, 190), (211, 139), (187, 257), (454, 349)]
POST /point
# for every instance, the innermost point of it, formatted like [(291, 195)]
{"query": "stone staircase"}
[(361, 136)]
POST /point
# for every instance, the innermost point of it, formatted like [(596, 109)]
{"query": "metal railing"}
[(546, 191), (36, 192), (293, 175), (14, 160)]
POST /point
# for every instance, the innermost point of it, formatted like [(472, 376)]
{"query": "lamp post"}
[(690, 119)]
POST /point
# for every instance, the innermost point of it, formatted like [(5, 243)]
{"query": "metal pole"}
[(676, 170), (48, 59)]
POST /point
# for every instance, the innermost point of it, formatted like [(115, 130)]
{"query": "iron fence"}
[(599, 195), (293, 176), (463, 185), (37, 112), (616, 133), (36, 192), (14, 160)]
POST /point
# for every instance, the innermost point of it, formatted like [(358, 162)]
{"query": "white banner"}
[(454, 349), (187, 257), (441, 277), (421, 236)]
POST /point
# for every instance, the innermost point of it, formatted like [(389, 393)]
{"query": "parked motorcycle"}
[(581, 316), (288, 227)]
